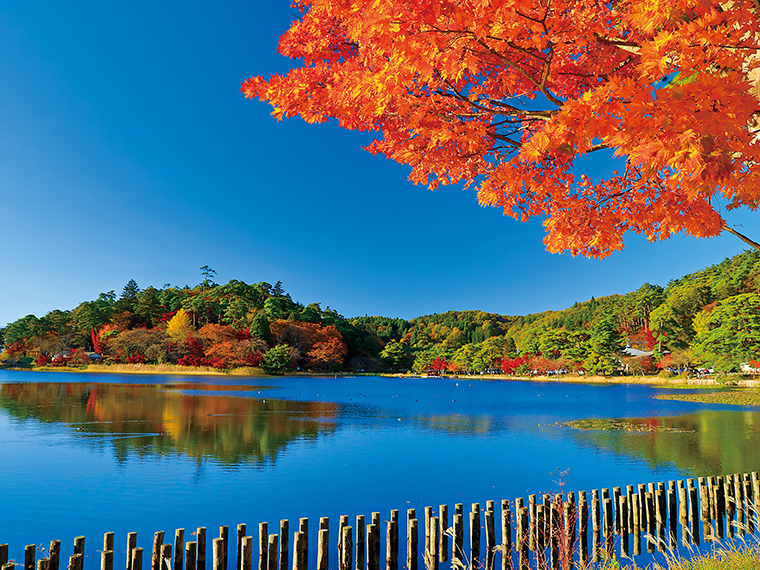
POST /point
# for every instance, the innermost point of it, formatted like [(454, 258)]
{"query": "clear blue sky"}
[(128, 152)]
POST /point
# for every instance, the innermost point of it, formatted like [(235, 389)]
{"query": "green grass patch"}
[(619, 424), (735, 397)]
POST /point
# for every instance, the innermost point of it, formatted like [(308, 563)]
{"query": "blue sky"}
[(128, 152)]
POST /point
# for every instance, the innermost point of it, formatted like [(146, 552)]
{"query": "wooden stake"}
[(217, 553), (190, 556), (490, 538), (457, 545), (636, 521), (155, 558), (284, 546), (200, 554), (166, 557), (411, 554), (506, 535), (443, 546), (360, 542), (474, 539), (240, 536), (595, 522), (55, 554), (224, 534), (137, 558), (391, 545), (347, 540), (263, 546), (274, 541), (323, 549), (432, 562)]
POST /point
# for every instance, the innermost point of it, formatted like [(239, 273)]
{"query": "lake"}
[(83, 454)]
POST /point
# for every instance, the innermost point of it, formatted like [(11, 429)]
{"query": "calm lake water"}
[(82, 454)]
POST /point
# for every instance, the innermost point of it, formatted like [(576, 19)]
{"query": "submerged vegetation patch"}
[(735, 397), (621, 424)]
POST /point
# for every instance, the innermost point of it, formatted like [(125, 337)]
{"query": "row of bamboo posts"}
[(551, 531)]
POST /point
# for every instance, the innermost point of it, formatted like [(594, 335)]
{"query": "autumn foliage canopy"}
[(509, 96)]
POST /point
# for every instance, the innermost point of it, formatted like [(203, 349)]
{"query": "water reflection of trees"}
[(139, 419), (712, 442)]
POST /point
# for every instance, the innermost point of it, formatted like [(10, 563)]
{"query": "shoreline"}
[(173, 370)]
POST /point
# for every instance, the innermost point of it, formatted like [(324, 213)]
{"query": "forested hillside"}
[(708, 318)]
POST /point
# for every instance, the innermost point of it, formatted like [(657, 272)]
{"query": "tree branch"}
[(742, 237)]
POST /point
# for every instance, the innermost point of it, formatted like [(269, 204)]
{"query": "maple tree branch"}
[(548, 94), (546, 115), (623, 44), (742, 237), (506, 140)]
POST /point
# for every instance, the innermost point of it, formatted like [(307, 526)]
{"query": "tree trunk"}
[(742, 237)]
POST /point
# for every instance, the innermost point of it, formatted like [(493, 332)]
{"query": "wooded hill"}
[(708, 318)]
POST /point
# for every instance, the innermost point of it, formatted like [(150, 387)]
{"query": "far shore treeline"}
[(708, 319)]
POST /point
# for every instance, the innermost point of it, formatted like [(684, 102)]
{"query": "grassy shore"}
[(723, 558), (164, 369)]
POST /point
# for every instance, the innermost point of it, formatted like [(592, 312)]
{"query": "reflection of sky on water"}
[(203, 451)]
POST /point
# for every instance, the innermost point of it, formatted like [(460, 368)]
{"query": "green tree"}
[(553, 342), (455, 339), (395, 354), (278, 360), (149, 307), (729, 334), (128, 299), (260, 327), (464, 358), (605, 346), (208, 277), (672, 321), (89, 316)]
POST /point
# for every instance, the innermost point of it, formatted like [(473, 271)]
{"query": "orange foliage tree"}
[(327, 354), (317, 346), (509, 95)]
